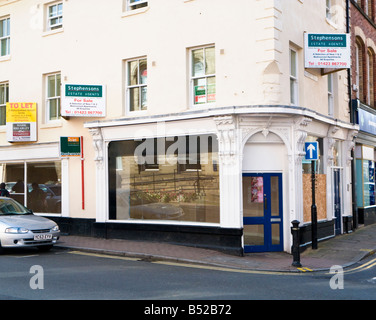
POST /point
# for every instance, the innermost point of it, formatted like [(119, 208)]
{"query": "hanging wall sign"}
[(327, 50), (70, 146), (81, 100), (21, 121)]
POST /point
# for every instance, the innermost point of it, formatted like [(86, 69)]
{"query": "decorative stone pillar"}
[(229, 152), (101, 194)]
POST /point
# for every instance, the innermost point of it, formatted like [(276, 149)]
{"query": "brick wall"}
[(363, 35)]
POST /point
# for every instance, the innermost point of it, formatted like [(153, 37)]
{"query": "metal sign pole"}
[(314, 208)]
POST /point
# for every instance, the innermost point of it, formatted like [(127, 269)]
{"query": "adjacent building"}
[(363, 32), (190, 118)]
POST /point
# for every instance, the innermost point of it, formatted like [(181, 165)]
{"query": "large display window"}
[(171, 179), (37, 185), (365, 176)]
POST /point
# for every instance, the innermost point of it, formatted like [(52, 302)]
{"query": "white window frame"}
[(139, 85), (55, 97), (294, 84), (205, 76), (328, 9), (6, 99), (130, 6), (5, 37), (58, 16)]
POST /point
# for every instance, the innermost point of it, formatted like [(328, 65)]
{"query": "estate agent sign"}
[(327, 50), (70, 146), (81, 100), (21, 119)]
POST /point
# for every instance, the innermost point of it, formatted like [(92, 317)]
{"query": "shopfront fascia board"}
[(252, 110), (38, 151)]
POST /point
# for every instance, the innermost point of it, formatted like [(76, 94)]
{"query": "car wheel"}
[(1, 249), (45, 248)]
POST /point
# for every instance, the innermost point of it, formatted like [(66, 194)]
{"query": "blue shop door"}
[(262, 212)]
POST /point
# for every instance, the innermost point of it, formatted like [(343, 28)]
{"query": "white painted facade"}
[(258, 128)]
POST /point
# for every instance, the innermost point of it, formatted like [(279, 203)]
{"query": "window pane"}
[(292, 91), (52, 11), (143, 72), (144, 99), (4, 47), (293, 63), (2, 115), (51, 92), (2, 28), (133, 73), (211, 89), (210, 60), (199, 91), (53, 103), (133, 99), (44, 187), (141, 191), (57, 84), (3, 93), (198, 63), (13, 176)]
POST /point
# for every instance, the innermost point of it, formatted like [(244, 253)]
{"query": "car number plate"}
[(42, 236)]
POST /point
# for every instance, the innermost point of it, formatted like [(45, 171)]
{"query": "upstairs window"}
[(53, 97), (328, 9), (136, 4), (137, 75), (203, 78), (4, 37), (55, 16), (4, 98), (293, 77)]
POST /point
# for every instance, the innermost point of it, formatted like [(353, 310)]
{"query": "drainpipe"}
[(352, 120)]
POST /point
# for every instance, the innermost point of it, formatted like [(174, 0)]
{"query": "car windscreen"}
[(9, 206)]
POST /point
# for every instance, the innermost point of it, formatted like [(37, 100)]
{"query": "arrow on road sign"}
[(311, 148)]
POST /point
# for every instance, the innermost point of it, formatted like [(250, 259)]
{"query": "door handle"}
[(265, 203)]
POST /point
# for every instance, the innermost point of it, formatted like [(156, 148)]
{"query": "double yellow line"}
[(368, 265)]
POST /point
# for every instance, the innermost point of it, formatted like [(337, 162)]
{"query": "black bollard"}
[(295, 243)]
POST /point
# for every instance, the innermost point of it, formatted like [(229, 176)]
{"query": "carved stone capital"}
[(96, 134)]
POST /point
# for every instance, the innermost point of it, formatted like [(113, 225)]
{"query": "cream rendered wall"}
[(251, 38), (310, 16)]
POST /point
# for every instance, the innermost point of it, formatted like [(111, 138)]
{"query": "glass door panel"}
[(253, 196), (254, 235), (274, 196)]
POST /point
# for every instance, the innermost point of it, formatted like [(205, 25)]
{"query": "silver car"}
[(19, 227)]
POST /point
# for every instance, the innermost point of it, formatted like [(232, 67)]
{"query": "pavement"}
[(344, 250)]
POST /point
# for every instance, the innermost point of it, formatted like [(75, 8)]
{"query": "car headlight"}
[(16, 230), (55, 228)]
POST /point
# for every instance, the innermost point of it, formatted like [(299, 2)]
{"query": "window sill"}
[(5, 58), (51, 32), (134, 12), (331, 23), (51, 124), (203, 106), (136, 113)]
